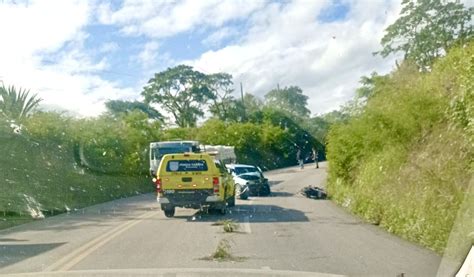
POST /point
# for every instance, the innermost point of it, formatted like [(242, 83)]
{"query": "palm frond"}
[(17, 104)]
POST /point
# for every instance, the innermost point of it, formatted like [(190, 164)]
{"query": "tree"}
[(252, 103), (222, 101), (120, 108), (289, 99), (181, 91), (17, 105), (426, 29)]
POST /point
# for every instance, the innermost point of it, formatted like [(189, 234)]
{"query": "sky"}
[(78, 54)]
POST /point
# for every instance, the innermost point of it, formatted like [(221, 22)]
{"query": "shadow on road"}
[(274, 182), (250, 213), (11, 253), (281, 194)]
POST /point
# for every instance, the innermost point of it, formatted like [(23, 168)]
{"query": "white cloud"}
[(149, 54), (216, 38), (30, 32), (108, 47), (283, 44), (286, 45), (159, 19)]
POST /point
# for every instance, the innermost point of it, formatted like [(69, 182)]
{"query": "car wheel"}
[(169, 212), (265, 191), (238, 190), (238, 193)]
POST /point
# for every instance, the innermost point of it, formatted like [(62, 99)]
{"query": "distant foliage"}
[(120, 108), (289, 99)]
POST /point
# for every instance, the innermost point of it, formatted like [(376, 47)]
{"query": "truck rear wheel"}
[(169, 212), (231, 201), (223, 209)]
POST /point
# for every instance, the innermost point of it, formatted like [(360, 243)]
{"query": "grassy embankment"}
[(406, 161), (43, 178)]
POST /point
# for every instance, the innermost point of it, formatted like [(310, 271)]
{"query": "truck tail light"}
[(215, 184), (157, 182)]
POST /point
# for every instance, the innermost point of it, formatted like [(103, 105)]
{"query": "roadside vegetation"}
[(53, 162), (404, 159)]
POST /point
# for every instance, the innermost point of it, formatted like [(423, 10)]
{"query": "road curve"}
[(283, 232)]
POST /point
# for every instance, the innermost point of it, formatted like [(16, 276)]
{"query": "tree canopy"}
[(289, 99), (426, 29), (223, 106), (181, 91), (120, 108)]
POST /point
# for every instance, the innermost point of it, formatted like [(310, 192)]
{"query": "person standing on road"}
[(299, 158), (316, 157)]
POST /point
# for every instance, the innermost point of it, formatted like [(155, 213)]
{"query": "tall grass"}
[(406, 161)]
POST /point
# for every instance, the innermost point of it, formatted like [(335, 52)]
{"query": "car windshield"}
[(236, 137), (157, 153), (242, 170)]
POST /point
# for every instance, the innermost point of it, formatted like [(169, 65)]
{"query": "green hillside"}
[(405, 161), (43, 178)]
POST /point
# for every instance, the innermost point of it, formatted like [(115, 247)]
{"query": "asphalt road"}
[(286, 231)]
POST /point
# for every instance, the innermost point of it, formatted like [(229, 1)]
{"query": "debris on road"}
[(229, 225), (314, 192), (222, 253)]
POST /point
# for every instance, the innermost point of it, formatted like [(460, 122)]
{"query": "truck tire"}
[(169, 212), (231, 201), (223, 209)]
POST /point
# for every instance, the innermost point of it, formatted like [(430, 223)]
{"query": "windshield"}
[(323, 137), (157, 153), (243, 170)]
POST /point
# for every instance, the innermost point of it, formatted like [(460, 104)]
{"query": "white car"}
[(249, 180)]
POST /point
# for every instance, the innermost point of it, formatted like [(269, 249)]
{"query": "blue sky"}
[(78, 54)]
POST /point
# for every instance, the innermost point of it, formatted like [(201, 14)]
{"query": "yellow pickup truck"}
[(193, 180)]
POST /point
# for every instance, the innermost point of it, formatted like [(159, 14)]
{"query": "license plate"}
[(169, 191)]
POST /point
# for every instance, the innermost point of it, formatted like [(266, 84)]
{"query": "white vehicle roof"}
[(240, 165), (222, 152), (160, 143)]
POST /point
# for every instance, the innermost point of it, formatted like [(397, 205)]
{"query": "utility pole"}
[(278, 86), (242, 97)]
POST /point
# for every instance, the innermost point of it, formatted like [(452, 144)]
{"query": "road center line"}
[(73, 258)]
